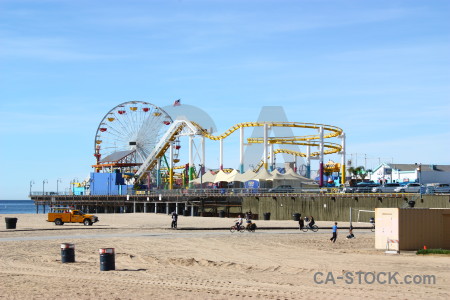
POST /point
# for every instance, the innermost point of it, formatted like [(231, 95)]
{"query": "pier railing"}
[(207, 192), (213, 192)]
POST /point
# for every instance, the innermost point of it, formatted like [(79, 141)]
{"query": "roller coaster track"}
[(307, 140), (330, 131), (333, 148)]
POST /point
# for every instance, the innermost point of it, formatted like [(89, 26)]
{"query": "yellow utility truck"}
[(63, 215)]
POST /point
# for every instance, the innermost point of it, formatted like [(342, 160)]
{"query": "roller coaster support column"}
[(321, 157), (191, 159), (221, 154), (158, 173), (241, 150), (272, 157), (171, 166), (265, 145), (308, 162), (343, 159), (202, 170)]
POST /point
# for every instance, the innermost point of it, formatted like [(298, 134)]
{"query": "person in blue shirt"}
[(334, 228)]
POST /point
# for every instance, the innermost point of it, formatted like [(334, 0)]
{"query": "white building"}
[(410, 173)]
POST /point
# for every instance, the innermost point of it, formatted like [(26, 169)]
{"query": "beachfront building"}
[(410, 173), (403, 228)]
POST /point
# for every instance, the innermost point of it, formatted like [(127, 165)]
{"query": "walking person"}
[(301, 222), (334, 228), (174, 220)]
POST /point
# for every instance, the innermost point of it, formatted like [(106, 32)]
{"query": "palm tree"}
[(358, 172), (362, 172), (352, 171)]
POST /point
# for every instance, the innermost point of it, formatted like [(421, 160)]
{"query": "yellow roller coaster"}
[(313, 140), (332, 131), (305, 140)]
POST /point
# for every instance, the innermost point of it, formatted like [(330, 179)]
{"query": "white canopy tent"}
[(248, 175), (266, 178), (294, 175), (207, 177), (292, 179), (263, 174), (232, 175), (221, 176)]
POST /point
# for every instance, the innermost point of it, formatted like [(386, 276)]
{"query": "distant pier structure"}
[(229, 203)]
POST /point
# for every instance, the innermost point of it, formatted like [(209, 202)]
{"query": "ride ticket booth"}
[(412, 228)]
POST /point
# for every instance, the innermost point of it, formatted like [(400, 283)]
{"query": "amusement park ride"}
[(142, 142)]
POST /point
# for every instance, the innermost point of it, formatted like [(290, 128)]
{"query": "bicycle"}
[(314, 228), (250, 228), (234, 228)]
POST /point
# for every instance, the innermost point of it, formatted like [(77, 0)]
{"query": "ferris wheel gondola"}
[(127, 134)]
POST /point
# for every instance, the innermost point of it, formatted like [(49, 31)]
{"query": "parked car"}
[(282, 189), (386, 188), (438, 188), (347, 189), (365, 187), (411, 187)]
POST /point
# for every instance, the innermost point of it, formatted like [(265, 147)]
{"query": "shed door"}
[(446, 232), (387, 228)]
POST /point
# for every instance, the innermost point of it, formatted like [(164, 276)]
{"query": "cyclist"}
[(251, 226), (238, 222), (312, 222)]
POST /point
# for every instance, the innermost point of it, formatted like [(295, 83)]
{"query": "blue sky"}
[(377, 69)]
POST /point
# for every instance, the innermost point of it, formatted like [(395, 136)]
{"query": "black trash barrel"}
[(11, 223), (296, 217), (267, 216), (186, 213), (107, 259), (221, 214), (67, 253)]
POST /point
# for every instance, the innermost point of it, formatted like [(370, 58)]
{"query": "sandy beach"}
[(156, 262)]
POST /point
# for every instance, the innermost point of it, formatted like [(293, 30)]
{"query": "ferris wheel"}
[(128, 133)]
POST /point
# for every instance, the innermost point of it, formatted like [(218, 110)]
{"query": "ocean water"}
[(18, 207)]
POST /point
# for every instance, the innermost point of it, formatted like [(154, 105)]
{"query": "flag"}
[(177, 102)]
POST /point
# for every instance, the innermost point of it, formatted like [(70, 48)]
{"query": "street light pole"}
[(420, 179), (43, 185), (43, 192), (57, 187), (31, 183)]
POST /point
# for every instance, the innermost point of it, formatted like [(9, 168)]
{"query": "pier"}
[(231, 202)]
